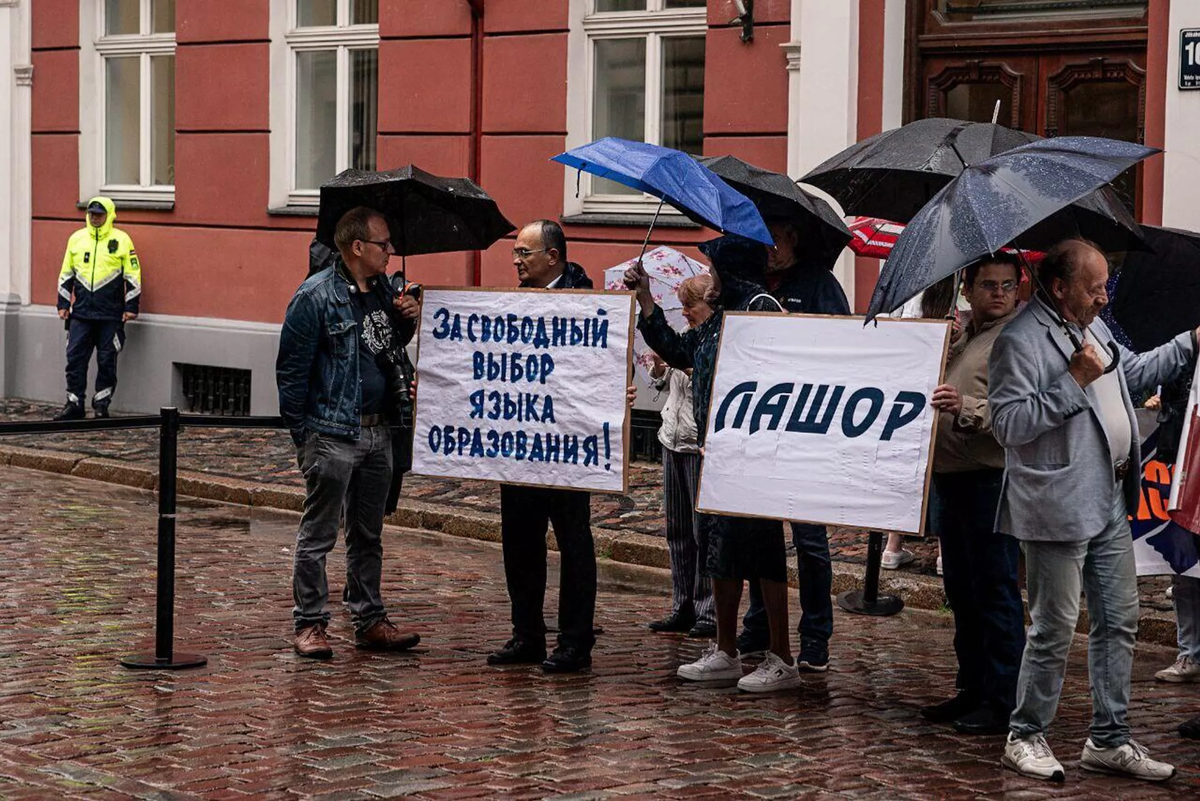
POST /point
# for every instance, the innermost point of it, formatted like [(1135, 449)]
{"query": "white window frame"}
[(94, 48), (287, 41), (586, 28)]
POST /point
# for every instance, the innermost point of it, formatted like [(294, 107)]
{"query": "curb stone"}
[(622, 546)]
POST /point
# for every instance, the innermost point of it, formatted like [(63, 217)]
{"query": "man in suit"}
[(540, 258), (1070, 440)]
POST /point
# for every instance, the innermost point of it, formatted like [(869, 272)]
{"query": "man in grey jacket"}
[(1071, 459)]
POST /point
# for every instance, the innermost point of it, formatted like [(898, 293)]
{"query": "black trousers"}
[(106, 337), (525, 513)]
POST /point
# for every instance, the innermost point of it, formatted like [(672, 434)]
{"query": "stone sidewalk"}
[(257, 467), (77, 565)]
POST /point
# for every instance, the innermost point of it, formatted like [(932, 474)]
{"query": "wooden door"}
[(967, 89)]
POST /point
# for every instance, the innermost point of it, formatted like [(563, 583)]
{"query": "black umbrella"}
[(426, 213), (1020, 198), (893, 174), (823, 234), (1158, 294)]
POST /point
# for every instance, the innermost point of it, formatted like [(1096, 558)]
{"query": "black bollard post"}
[(164, 656), (868, 601)]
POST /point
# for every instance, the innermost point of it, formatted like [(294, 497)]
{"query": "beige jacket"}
[(965, 442)]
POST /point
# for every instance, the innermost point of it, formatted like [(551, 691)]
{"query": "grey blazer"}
[(1058, 476)]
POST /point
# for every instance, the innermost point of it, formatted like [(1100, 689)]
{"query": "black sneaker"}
[(703, 631), (567, 659), (71, 411), (984, 721), (518, 652), (100, 410), (951, 710), (751, 644), (813, 658), (677, 621)]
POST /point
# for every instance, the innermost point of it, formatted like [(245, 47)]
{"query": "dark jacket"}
[(803, 289), (317, 368), (573, 277)]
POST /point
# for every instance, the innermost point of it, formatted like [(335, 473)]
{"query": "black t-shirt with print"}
[(375, 334)]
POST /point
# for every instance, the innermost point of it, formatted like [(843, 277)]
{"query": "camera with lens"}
[(393, 362)]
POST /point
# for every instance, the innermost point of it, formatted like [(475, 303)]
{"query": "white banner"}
[(821, 420), (524, 386)]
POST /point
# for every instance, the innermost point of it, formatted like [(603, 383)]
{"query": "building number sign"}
[(1189, 58)]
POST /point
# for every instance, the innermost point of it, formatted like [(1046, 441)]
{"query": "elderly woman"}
[(691, 591), (736, 548)]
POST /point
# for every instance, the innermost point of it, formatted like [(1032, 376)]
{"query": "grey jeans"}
[(1104, 568), (1187, 615), (355, 475)]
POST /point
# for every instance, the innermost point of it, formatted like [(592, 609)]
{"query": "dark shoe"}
[(310, 642), (949, 711), (518, 652), (813, 658), (100, 410), (984, 721), (703, 631), (384, 636), (71, 411), (752, 644), (675, 622), (1190, 729), (567, 659)]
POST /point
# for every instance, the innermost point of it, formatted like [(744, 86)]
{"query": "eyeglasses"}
[(525, 253), (384, 244), (992, 286)]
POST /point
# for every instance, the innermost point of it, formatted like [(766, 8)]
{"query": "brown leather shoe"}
[(384, 636), (310, 642)]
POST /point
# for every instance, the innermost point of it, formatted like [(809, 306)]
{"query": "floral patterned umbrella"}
[(667, 269)]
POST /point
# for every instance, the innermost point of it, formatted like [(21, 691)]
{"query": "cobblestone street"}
[(76, 562)]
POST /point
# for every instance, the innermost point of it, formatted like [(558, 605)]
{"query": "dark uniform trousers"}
[(106, 337), (525, 513)]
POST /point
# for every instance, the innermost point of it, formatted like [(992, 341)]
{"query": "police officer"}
[(99, 287)]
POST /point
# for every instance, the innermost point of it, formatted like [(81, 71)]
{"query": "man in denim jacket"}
[(333, 396)]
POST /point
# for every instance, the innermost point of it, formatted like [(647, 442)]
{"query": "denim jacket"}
[(317, 367)]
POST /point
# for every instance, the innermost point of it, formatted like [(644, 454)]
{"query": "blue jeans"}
[(1104, 568), (1187, 615), (816, 588), (979, 572)]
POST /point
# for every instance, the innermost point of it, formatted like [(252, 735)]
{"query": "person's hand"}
[(630, 395), (408, 306), (637, 279), (412, 390), (1153, 403), (946, 398), (657, 366), (1085, 365), (63, 313), (127, 316)]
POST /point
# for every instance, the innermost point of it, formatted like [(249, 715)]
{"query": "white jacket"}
[(678, 431)]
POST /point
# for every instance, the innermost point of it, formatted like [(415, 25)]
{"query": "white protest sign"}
[(524, 386), (819, 419)]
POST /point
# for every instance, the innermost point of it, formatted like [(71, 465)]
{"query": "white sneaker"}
[(715, 665), (939, 564), (1129, 759), (772, 676), (893, 560), (1184, 670), (1031, 756)]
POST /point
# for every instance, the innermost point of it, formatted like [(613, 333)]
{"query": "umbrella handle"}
[(1116, 358)]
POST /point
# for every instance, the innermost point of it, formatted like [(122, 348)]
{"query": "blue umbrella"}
[(674, 177)]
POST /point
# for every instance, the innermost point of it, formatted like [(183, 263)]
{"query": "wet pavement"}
[(77, 567)]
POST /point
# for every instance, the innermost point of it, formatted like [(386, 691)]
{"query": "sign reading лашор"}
[(1189, 58), (524, 387), (822, 420)]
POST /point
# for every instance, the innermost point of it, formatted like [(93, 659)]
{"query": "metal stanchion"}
[(164, 656), (868, 601)]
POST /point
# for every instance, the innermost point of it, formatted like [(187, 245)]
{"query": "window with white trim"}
[(128, 89), (333, 92), (642, 71)]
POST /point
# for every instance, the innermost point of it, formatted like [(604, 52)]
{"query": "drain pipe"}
[(476, 116)]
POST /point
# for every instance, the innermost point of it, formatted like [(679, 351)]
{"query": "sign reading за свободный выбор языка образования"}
[(524, 387)]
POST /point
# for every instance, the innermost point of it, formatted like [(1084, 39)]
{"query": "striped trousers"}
[(689, 587)]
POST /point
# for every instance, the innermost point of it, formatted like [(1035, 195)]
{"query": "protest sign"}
[(820, 419), (524, 386), (1161, 546)]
